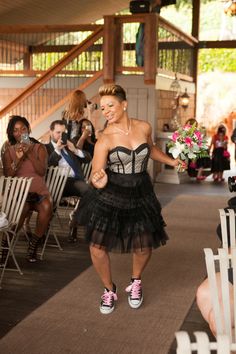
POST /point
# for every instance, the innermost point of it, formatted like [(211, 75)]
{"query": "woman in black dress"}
[(123, 213)]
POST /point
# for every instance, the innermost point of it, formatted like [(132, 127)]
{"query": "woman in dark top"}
[(123, 214), (85, 140)]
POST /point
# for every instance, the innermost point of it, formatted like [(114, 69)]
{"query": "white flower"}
[(176, 150)]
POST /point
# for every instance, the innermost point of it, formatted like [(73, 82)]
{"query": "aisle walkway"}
[(68, 320)]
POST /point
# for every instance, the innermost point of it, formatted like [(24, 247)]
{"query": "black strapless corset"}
[(127, 161)]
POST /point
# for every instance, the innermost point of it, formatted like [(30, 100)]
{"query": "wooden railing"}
[(65, 61), (49, 89), (27, 50)]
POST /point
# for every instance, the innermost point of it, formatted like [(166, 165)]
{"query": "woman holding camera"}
[(76, 111), (86, 137), (26, 157)]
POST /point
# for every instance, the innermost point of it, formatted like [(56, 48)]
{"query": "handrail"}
[(59, 104), (192, 41), (32, 87), (47, 28)]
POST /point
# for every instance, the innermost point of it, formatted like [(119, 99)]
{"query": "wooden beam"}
[(46, 28), (173, 45), (195, 34), (150, 49), (109, 49), (217, 44), (196, 19), (177, 32), (120, 69), (171, 75)]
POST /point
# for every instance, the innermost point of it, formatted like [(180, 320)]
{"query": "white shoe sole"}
[(135, 306), (107, 311)]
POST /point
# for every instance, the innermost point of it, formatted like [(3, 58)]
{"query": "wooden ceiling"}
[(50, 12)]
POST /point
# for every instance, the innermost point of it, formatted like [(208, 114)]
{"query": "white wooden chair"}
[(225, 315), (203, 344), (228, 233), (55, 181), (13, 192), (74, 200), (87, 168)]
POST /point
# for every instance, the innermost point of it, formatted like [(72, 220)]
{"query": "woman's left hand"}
[(180, 163)]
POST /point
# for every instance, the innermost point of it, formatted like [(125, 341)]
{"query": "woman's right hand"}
[(99, 179)]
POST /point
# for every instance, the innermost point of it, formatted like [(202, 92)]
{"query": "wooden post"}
[(27, 61), (109, 49), (195, 33), (150, 49), (118, 45)]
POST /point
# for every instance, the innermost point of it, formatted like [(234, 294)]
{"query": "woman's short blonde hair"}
[(76, 105), (113, 90)]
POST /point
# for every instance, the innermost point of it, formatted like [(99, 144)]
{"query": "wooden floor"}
[(22, 294)]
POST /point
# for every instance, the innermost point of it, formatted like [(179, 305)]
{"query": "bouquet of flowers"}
[(188, 143)]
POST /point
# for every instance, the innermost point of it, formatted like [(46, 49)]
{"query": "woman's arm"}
[(10, 166), (82, 139), (99, 162), (39, 161), (157, 155)]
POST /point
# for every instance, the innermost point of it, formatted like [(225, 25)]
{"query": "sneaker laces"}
[(108, 297), (134, 289)]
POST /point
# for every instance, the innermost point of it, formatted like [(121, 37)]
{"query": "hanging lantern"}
[(175, 90), (184, 99)]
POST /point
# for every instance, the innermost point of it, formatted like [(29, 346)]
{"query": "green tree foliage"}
[(217, 59)]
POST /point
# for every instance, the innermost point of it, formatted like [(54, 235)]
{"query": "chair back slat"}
[(86, 168), (233, 263), (225, 319), (211, 270), (224, 265), (55, 181), (14, 191), (230, 216), (203, 344)]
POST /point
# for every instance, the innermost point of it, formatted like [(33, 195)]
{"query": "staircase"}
[(47, 94)]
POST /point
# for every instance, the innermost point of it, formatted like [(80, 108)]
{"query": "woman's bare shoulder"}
[(103, 141), (142, 124)]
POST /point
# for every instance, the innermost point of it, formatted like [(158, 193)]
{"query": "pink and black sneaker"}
[(135, 297), (108, 301)]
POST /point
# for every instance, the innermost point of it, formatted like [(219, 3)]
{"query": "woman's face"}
[(112, 108), (19, 129)]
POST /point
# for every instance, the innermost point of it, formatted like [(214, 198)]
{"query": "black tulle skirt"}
[(124, 216)]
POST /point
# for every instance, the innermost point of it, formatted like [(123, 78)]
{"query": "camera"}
[(232, 183), (93, 105), (24, 139), (64, 138)]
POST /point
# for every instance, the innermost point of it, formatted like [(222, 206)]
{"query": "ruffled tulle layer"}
[(123, 216)]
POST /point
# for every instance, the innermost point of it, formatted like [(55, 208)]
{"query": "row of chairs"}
[(13, 192), (223, 309)]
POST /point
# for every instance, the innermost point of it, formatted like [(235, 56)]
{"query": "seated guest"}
[(64, 153), (86, 136), (26, 157)]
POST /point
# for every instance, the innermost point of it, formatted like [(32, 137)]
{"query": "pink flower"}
[(198, 134), (175, 136), (188, 141)]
